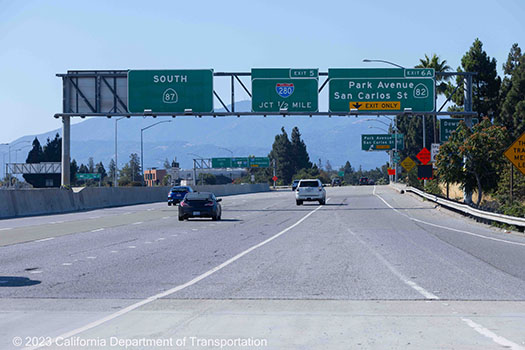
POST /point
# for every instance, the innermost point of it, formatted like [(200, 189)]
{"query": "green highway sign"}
[(170, 91), (285, 89), (221, 162), (259, 162), (381, 142), (390, 89), (447, 125), (341, 173), (395, 157), (241, 162), (88, 176)]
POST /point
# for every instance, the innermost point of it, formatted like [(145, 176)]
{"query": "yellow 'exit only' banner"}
[(375, 105)]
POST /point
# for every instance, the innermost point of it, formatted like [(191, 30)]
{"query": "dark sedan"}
[(177, 194), (201, 205)]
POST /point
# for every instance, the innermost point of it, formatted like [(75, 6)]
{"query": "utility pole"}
[(274, 172)]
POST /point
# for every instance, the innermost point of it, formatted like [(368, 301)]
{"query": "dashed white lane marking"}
[(132, 246), (399, 275), (174, 235), (179, 287), (98, 230), (137, 223), (45, 239), (445, 227), (491, 335), (36, 271), (67, 264), (147, 242), (195, 229), (126, 213), (6, 228), (165, 217), (91, 257), (160, 239), (114, 251), (95, 217), (151, 209)]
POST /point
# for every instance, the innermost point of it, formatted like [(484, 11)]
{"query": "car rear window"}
[(179, 189), (309, 184), (196, 196)]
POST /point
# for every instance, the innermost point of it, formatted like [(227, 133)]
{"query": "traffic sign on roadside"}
[(516, 153), (285, 90), (275, 178), (341, 174), (381, 142), (381, 89), (408, 164), (424, 156), (170, 91), (448, 125), (88, 176)]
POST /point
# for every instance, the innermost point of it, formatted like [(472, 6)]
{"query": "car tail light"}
[(208, 204), (184, 204)]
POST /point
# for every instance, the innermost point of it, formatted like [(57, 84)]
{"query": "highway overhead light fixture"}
[(148, 112), (188, 111), (142, 144), (383, 61)]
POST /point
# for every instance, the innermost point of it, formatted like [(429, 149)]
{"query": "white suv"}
[(310, 190)]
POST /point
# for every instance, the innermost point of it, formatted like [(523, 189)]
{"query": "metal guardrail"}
[(466, 209)]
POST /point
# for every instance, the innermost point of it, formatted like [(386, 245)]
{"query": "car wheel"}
[(322, 202), (181, 218), (299, 202), (169, 204)]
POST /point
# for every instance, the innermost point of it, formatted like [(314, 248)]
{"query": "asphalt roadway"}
[(371, 269)]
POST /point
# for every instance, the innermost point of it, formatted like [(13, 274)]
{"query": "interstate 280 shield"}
[(284, 90)]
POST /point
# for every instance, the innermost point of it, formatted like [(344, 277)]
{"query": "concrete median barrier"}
[(27, 202)]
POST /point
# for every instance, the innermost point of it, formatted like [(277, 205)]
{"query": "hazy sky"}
[(41, 38)]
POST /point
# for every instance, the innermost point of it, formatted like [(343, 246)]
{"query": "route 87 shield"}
[(284, 90)]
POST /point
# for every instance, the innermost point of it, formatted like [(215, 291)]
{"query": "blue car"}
[(177, 194)]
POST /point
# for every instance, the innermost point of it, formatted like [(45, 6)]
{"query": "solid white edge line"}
[(6, 228), (447, 228), (98, 230), (179, 287), (493, 336), (45, 239)]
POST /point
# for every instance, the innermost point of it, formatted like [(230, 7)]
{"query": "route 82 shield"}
[(284, 90)]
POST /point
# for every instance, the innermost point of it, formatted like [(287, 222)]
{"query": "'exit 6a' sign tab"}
[(381, 89), (170, 91), (285, 89)]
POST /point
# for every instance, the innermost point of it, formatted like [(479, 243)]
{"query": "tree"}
[(282, 153), (99, 168), (328, 166), (91, 165), (486, 84), (473, 157), (131, 171), (112, 167), (300, 157), (513, 94), (441, 86), (51, 152), (83, 169), (73, 170), (439, 66)]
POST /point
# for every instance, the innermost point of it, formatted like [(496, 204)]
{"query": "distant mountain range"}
[(335, 139)]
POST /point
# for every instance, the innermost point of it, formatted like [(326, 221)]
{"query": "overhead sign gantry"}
[(277, 91)]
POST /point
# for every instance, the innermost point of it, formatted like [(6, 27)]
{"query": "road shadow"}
[(15, 281), (209, 220)]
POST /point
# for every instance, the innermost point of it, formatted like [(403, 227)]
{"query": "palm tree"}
[(439, 67)]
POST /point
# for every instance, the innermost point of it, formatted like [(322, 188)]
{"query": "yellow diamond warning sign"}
[(516, 153), (408, 164), (375, 105)]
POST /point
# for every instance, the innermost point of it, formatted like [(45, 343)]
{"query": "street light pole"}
[(142, 145), (115, 176)]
